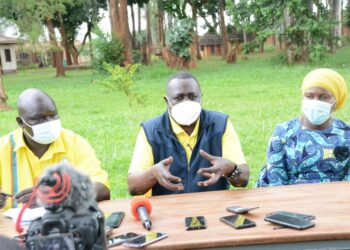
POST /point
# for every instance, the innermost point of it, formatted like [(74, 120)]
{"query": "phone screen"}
[(296, 215), (114, 219), (237, 221), (195, 223), (145, 240), (119, 239)]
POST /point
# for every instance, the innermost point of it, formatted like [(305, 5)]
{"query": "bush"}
[(136, 56), (106, 49)]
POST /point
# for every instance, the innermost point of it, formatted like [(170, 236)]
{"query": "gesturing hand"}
[(164, 177), (2, 200), (220, 167), (24, 197)]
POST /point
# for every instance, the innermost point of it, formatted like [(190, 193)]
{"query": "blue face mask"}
[(317, 112)]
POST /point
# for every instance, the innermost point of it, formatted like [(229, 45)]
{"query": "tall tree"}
[(225, 41)]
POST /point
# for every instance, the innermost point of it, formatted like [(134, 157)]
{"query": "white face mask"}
[(45, 133), (317, 112), (186, 113)]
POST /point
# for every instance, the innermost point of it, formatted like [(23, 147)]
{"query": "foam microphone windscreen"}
[(140, 201)]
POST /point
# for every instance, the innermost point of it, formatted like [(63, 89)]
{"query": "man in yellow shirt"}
[(41, 142), (187, 149)]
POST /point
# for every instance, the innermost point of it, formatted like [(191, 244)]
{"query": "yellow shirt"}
[(142, 158), (68, 146)]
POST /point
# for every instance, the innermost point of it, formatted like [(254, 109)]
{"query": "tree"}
[(120, 25), (30, 15)]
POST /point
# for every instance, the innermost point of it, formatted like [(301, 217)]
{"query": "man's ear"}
[(333, 107), (20, 121)]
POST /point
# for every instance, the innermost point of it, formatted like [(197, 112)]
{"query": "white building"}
[(8, 48)]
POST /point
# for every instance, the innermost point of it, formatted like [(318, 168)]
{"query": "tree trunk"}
[(288, 46), (160, 30), (196, 52), (170, 21), (124, 30), (138, 19), (114, 17), (149, 35), (225, 42), (57, 53), (64, 41), (3, 96), (335, 11), (75, 55), (133, 26)]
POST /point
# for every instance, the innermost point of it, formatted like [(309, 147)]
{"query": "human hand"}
[(220, 167), (24, 197), (162, 174)]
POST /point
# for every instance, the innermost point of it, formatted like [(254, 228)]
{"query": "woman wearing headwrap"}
[(314, 147)]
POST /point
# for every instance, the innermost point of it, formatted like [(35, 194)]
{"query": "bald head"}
[(35, 107)]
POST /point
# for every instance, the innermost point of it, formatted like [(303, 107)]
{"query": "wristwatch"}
[(235, 173)]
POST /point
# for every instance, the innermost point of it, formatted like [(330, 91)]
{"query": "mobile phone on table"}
[(195, 223), (121, 238), (114, 219), (296, 215), (240, 210), (144, 240), (237, 221), (288, 221)]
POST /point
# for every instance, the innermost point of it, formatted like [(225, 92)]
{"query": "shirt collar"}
[(177, 129), (55, 147)]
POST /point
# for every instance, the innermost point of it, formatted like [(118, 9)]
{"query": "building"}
[(8, 48)]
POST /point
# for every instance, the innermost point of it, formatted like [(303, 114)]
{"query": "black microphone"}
[(141, 208)]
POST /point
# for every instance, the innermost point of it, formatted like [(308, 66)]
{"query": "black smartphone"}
[(288, 221), (114, 219), (240, 210), (296, 215), (144, 240), (237, 221), (195, 223), (121, 238)]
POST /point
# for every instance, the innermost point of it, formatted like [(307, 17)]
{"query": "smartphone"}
[(195, 223), (237, 221), (240, 210), (295, 215), (114, 219), (288, 221), (144, 240), (121, 238)]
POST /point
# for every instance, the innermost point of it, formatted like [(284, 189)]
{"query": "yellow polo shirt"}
[(142, 158), (68, 146)]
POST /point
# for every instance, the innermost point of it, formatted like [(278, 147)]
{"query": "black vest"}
[(164, 143)]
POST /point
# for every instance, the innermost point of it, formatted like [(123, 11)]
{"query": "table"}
[(329, 202)]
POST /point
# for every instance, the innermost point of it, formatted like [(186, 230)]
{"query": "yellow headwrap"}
[(330, 80)]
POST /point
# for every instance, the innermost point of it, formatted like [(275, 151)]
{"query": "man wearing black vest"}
[(186, 149)]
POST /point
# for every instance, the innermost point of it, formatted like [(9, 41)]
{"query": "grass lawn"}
[(257, 94)]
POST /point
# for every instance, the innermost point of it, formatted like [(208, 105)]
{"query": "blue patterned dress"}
[(297, 155)]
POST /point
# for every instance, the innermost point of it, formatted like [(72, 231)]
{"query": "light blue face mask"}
[(45, 133), (317, 112)]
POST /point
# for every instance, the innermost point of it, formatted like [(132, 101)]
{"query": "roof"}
[(210, 39), (7, 40)]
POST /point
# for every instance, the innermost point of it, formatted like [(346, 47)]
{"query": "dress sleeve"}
[(276, 159)]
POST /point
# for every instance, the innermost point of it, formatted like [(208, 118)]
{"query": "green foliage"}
[(306, 36), (347, 15), (121, 79), (180, 38), (107, 49), (27, 67), (136, 56)]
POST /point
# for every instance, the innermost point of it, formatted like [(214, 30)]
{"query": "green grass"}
[(257, 94)]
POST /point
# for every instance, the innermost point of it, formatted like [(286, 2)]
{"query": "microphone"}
[(141, 208)]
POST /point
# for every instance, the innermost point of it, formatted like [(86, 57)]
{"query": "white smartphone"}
[(145, 240)]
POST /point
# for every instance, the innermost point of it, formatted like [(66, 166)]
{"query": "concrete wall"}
[(8, 66)]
